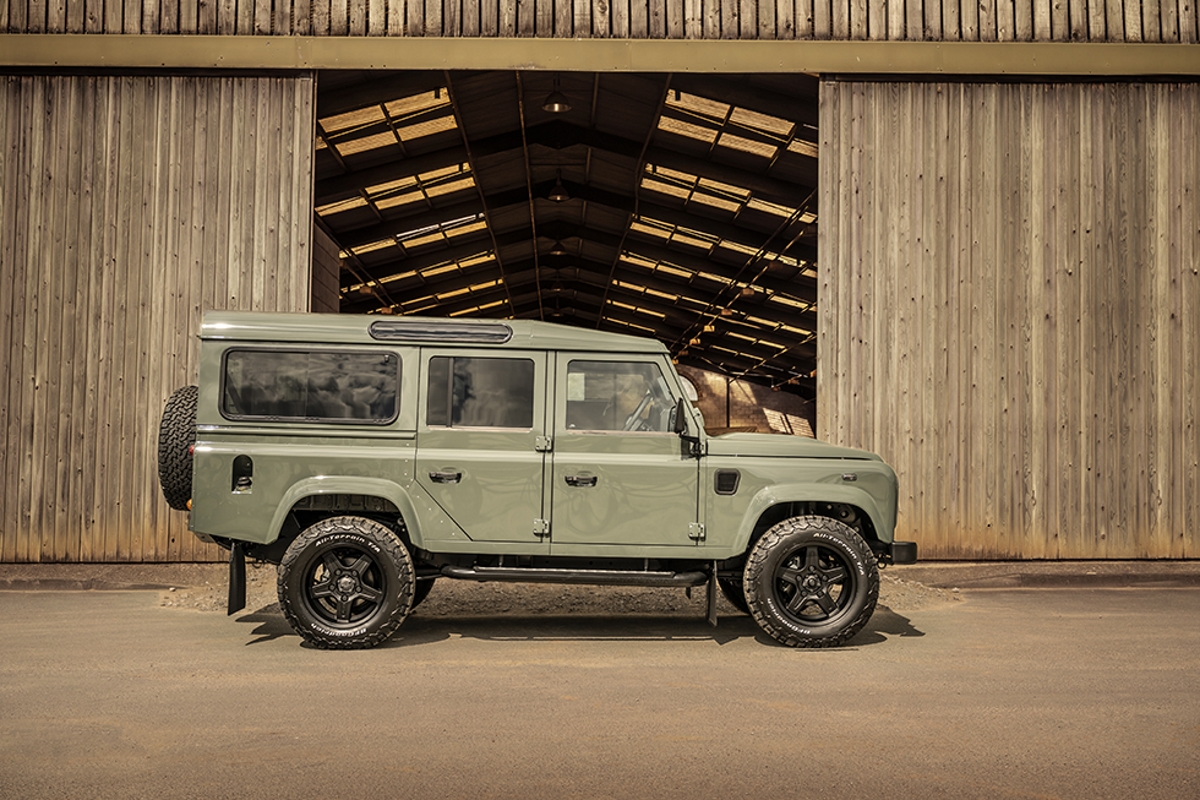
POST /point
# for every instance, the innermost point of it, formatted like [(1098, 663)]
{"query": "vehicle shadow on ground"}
[(419, 629)]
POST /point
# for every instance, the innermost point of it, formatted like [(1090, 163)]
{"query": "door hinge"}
[(696, 531), (541, 527), (543, 444)]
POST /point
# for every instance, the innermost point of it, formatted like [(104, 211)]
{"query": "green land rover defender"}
[(369, 456)]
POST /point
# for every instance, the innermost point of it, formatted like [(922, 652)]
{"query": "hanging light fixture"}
[(558, 249), (556, 102), (559, 193)]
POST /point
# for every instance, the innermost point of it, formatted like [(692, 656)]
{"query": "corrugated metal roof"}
[(685, 206)]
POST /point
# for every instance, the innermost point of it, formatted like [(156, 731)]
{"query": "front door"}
[(621, 476), (481, 453)]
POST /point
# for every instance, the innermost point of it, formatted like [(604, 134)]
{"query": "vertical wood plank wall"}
[(326, 274), (933, 20), (128, 205), (1010, 311)]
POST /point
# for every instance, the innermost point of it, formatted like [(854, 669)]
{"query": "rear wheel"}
[(346, 583), (811, 582)]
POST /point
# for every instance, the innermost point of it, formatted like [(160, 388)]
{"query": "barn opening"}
[(678, 206)]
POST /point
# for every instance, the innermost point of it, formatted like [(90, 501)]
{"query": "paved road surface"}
[(1080, 693)]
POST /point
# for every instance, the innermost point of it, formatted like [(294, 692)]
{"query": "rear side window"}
[(480, 393), (311, 386)]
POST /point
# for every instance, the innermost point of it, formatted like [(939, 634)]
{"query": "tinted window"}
[(618, 396), (480, 392), (330, 386)]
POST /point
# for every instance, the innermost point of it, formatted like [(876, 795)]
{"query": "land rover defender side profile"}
[(370, 456)]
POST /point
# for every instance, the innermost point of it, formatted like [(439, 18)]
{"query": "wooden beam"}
[(801, 287), (799, 108), (686, 317), (618, 201), (373, 90), (598, 55), (558, 135)]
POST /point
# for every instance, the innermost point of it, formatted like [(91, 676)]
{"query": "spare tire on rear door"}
[(176, 435)]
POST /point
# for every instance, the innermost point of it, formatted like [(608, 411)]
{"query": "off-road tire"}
[(811, 582), (732, 589), (346, 583), (176, 435)]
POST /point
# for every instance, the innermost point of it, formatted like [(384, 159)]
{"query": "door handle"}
[(581, 480), (445, 477)]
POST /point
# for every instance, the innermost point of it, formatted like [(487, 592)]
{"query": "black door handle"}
[(581, 480), (445, 477)]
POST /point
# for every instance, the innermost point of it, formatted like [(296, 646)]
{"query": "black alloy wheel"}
[(811, 582), (346, 583)]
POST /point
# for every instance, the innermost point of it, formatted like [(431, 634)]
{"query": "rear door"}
[(620, 474), (481, 442)]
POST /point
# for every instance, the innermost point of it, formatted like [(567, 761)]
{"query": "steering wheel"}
[(634, 421)]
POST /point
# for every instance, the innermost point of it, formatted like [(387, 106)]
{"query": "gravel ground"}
[(203, 588)]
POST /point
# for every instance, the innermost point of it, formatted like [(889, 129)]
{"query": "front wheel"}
[(346, 583), (811, 582)]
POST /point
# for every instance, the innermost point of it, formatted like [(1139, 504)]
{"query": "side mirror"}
[(681, 429), (681, 425)]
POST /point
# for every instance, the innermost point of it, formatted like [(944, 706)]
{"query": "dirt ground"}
[(1083, 693), (203, 588)]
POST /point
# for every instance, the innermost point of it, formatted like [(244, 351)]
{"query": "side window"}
[(311, 386), (618, 396), (480, 393)]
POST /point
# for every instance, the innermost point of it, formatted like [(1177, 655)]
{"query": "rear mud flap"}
[(237, 578), (712, 596)]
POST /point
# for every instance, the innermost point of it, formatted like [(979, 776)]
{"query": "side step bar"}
[(594, 577)]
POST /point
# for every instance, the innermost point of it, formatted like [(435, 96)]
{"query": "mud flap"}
[(237, 579), (712, 596)]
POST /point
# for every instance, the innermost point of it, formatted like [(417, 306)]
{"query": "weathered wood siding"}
[(128, 205), (1010, 311), (326, 274), (934, 20)]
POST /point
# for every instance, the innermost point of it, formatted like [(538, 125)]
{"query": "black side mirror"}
[(681, 425), (681, 429)]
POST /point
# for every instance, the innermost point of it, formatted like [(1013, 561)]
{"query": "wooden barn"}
[(966, 233)]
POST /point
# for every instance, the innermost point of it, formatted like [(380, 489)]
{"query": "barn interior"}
[(678, 206)]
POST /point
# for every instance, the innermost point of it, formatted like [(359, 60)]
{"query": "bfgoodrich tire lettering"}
[(346, 583), (176, 435), (811, 582)]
